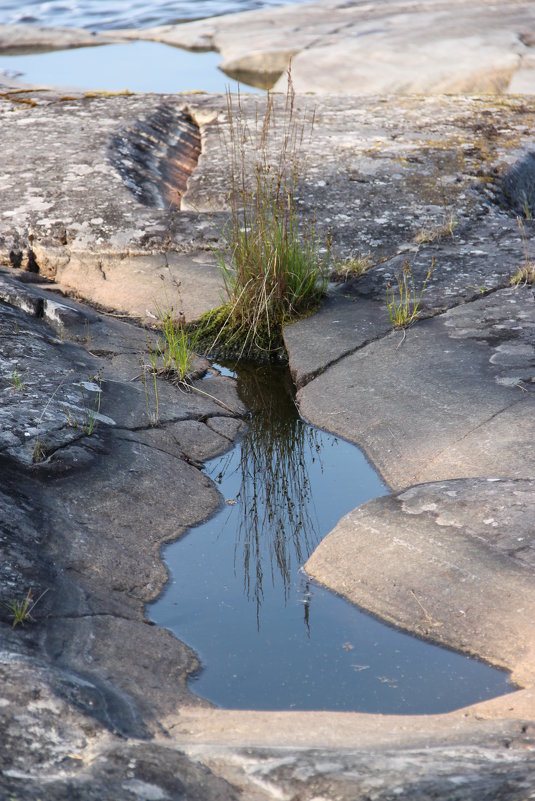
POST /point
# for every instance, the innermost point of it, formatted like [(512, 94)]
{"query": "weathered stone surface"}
[(452, 561), (18, 39), (76, 218), (375, 175), (72, 448), (452, 397), (88, 497), (358, 48)]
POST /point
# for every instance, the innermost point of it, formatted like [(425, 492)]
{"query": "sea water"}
[(98, 15)]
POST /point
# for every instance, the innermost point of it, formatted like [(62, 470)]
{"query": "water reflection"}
[(284, 642), (276, 524)]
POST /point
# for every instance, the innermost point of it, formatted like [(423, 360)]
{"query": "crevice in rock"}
[(180, 456), (157, 155), (416, 479), (427, 315), (82, 615)]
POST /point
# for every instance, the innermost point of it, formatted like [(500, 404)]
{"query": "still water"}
[(135, 66), (109, 14), (268, 637)]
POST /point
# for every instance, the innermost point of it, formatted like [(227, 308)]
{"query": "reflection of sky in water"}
[(269, 638), (106, 14), (137, 66)]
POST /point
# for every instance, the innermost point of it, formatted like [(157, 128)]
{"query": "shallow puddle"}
[(135, 66), (267, 636)]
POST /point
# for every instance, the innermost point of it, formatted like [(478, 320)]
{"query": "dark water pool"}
[(267, 636)]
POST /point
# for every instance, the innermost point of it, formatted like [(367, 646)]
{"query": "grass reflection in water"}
[(277, 526)]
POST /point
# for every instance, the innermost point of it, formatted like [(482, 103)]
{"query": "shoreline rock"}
[(378, 172)]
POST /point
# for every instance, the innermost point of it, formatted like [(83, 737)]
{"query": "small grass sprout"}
[(39, 449), (436, 233), (21, 610), (403, 301), (175, 348), (92, 412), (351, 267), (154, 415), (525, 274), (18, 383)]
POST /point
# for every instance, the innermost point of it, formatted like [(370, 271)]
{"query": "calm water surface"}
[(268, 637)]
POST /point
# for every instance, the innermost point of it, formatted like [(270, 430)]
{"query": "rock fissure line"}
[(415, 478), (181, 456), (82, 615), (427, 315)]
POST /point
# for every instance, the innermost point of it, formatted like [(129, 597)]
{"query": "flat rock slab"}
[(451, 561), (451, 397), (20, 39), (358, 48)]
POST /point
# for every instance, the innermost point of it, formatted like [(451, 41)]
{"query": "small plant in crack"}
[(17, 381), (175, 348), (152, 404), (39, 449), (92, 410), (526, 273), (438, 232), (403, 301), (21, 609)]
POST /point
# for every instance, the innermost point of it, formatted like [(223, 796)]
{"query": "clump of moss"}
[(220, 335)]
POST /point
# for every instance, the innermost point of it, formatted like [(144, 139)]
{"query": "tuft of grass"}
[(92, 412), (39, 449), (526, 273), (271, 265), (175, 348), (351, 267), (403, 300), (21, 610), (435, 234)]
